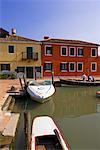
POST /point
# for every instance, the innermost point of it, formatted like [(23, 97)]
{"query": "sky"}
[(64, 19)]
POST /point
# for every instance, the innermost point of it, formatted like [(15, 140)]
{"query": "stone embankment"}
[(8, 120)]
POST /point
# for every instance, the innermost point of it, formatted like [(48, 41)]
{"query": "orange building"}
[(69, 57)]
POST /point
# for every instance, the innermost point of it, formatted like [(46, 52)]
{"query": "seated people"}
[(84, 77), (90, 78)]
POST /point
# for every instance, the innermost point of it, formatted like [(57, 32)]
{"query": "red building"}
[(69, 57)]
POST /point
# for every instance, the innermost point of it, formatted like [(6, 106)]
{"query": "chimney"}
[(46, 37), (13, 30)]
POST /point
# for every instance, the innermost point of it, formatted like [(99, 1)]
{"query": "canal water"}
[(76, 111)]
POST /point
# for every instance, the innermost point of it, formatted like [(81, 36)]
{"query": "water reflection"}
[(98, 105), (66, 102), (76, 111), (73, 102), (46, 108)]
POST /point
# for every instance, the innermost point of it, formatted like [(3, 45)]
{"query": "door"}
[(29, 52), (38, 71), (29, 72)]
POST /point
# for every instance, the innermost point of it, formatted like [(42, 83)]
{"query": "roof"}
[(16, 38), (68, 42), (3, 31)]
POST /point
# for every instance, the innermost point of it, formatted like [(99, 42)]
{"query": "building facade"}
[(42, 58), (19, 54), (69, 57)]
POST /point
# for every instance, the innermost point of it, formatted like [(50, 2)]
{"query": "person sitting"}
[(90, 78), (84, 77)]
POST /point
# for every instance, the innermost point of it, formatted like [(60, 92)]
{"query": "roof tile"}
[(16, 38), (64, 41)]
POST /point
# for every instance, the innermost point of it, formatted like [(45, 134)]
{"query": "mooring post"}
[(21, 83), (24, 81), (27, 128), (35, 75), (52, 76)]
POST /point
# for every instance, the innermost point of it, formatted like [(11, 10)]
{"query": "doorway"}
[(29, 72)]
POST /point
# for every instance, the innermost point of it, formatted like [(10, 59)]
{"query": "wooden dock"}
[(8, 125), (11, 126), (18, 92)]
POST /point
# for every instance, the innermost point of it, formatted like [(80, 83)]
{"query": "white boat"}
[(40, 91), (46, 135)]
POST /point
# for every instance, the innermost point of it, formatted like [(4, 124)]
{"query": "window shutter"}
[(44, 66), (83, 52), (60, 66), (67, 66), (51, 50), (51, 66)]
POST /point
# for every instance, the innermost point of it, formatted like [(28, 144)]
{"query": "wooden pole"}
[(35, 75), (52, 76), (24, 81), (27, 127), (21, 83)]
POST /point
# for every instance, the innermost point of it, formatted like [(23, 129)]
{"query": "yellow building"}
[(20, 54)]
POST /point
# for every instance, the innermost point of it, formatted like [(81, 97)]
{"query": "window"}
[(48, 50), (64, 51), (11, 49), (63, 66), (93, 52), (80, 66), (48, 66), (93, 66), (5, 67), (72, 51), (79, 51), (72, 66), (29, 52)]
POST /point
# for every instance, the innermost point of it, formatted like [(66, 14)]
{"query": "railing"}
[(33, 56)]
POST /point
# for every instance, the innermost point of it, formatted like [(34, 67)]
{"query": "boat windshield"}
[(33, 83), (46, 82)]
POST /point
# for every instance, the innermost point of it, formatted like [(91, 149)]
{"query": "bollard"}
[(27, 129), (52, 76)]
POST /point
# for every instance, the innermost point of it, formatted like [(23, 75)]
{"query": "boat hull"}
[(40, 93), (79, 82), (98, 94), (44, 127)]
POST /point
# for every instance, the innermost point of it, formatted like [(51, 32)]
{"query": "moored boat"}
[(40, 91), (79, 82), (46, 135), (98, 94)]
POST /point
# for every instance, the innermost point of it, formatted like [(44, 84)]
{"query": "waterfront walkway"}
[(8, 120), (4, 86)]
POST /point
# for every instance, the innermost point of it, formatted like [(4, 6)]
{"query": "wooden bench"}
[(40, 147)]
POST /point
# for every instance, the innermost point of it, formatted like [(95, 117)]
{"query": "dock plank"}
[(11, 126)]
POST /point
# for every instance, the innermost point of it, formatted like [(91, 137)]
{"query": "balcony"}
[(29, 56)]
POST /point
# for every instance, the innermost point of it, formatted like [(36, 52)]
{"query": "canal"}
[(76, 111)]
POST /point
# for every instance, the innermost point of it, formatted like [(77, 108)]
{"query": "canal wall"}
[(8, 120)]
